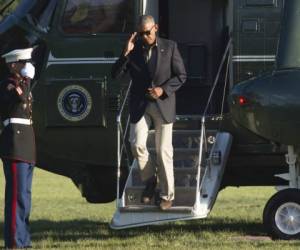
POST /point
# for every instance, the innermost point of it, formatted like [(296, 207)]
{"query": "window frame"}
[(61, 31)]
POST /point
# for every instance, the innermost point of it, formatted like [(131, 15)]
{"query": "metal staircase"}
[(186, 146), (190, 202), (200, 158)]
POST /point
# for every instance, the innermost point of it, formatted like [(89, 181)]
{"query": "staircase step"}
[(182, 158), (194, 121), (184, 177), (187, 122), (175, 209), (184, 138), (184, 196)]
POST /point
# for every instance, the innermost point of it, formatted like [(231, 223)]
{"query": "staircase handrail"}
[(121, 144), (228, 47), (119, 116), (202, 133)]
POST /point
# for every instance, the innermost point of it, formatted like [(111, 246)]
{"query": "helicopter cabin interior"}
[(201, 30)]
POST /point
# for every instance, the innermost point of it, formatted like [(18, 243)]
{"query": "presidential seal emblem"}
[(74, 103)]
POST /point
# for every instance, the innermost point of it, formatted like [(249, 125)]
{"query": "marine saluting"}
[(17, 146)]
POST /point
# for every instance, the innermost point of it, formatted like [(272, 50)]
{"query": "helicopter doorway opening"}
[(201, 30)]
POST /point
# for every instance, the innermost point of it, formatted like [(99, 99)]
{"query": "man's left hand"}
[(156, 92)]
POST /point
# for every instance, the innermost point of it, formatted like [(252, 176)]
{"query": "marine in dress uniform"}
[(17, 147)]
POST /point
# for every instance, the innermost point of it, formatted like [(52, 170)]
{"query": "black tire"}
[(290, 198)]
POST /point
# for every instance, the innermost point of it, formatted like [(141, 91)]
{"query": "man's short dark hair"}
[(146, 19)]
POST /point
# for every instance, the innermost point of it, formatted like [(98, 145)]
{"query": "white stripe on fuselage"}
[(111, 60), (80, 60), (251, 58)]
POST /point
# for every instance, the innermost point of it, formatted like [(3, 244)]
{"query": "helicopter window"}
[(98, 16), (7, 7)]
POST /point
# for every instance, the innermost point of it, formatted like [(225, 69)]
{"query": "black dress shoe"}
[(149, 190)]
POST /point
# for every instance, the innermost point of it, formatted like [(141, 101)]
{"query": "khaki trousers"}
[(162, 166)]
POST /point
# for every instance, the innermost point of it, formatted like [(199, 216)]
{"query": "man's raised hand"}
[(130, 44)]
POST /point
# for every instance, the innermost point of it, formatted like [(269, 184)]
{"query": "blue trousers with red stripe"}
[(18, 176)]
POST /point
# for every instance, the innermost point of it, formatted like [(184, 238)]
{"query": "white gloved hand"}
[(28, 70)]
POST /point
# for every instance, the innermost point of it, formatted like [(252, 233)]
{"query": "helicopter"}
[(78, 108), (268, 106)]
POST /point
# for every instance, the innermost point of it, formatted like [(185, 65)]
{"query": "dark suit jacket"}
[(17, 141), (169, 74)]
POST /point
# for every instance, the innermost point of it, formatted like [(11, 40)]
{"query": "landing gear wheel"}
[(281, 215)]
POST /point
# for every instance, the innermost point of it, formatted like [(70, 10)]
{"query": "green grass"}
[(62, 219)]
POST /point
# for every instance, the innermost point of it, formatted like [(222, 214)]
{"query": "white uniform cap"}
[(17, 55)]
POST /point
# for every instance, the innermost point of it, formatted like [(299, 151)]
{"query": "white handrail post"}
[(118, 160), (197, 198), (119, 147)]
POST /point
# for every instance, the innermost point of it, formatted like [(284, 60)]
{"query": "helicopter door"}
[(77, 98), (86, 39)]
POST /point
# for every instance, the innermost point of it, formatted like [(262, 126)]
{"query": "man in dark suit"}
[(157, 71), (17, 147)]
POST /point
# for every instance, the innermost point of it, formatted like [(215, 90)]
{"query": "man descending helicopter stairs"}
[(200, 157), (199, 160)]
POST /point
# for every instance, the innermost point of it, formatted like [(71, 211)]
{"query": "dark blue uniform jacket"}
[(16, 140)]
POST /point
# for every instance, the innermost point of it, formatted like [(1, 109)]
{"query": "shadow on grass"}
[(211, 225), (89, 230)]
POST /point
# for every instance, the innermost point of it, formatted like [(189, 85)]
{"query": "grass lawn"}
[(62, 219)]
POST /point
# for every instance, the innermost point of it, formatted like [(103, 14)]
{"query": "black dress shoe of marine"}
[(149, 190)]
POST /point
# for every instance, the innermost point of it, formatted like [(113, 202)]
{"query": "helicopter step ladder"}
[(190, 202)]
